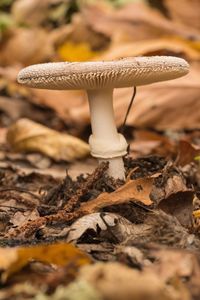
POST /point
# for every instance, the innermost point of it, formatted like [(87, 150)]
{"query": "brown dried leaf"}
[(28, 136), (23, 45), (113, 228), (186, 153), (188, 15), (21, 218), (70, 105), (32, 12), (92, 222), (173, 196), (101, 225), (136, 21), (170, 263), (132, 190), (162, 46), (149, 143), (78, 32), (147, 285), (168, 105), (165, 229)]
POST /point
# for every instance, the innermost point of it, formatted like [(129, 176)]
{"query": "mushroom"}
[(99, 78)]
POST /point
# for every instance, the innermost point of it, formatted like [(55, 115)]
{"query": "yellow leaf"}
[(196, 214), (28, 136), (76, 52), (14, 259)]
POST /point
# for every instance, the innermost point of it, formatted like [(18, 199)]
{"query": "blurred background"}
[(36, 31)]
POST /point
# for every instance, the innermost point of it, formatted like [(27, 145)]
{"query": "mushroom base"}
[(116, 166)]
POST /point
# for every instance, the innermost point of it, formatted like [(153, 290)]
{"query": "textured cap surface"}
[(103, 74)]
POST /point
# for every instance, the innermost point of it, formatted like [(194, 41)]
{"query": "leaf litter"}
[(68, 231)]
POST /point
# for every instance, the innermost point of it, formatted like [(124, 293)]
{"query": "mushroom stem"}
[(105, 142)]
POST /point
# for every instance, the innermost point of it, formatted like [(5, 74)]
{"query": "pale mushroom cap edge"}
[(132, 71)]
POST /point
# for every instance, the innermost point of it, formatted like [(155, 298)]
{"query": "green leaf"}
[(5, 21), (5, 2)]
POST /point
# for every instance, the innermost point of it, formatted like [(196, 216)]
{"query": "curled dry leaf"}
[(92, 222), (133, 190), (13, 260), (173, 196), (102, 223), (111, 227), (28, 136)]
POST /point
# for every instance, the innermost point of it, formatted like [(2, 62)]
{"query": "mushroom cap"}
[(133, 71)]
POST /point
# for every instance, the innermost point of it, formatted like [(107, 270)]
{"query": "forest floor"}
[(68, 230)]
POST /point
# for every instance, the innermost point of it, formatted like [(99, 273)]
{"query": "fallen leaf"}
[(196, 214), (114, 281), (186, 153), (71, 106), (76, 52), (21, 218), (6, 22), (132, 190), (162, 46), (92, 222), (99, 224), (23, 45), (135, 21), (78, 32), (33, 12), (165, 229), (75, 290), (109, 227), (170, 263), (150, 143), (28, 136), (12, 260), (171, 194), (26, 289), (3, 133), (188, 15), (157, 106), (12, 109)]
